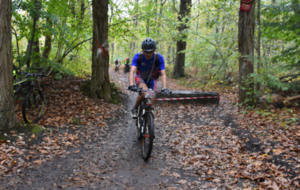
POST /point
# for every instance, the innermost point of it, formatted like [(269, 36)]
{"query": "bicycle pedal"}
[(134, 116)]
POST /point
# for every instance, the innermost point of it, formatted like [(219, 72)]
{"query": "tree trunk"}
[(36, 41), (112, 51), (136, 23), (258, 43), (112, 42), (173, 55), (185, 9), (7, 108), (48, 41), (36, 53), (148, 27), (30, 42), (130, 49), (246, 49), (168, 54), (100, 84)]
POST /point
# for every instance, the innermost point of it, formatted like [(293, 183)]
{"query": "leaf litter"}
[(200, 140)]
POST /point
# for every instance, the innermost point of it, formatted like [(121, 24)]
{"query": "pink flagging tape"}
[(185, 98)]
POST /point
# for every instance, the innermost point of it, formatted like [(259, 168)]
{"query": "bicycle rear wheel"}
[(33, 106), (147, 136)]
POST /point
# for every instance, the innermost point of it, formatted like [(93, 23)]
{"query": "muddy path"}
[(195, 148)]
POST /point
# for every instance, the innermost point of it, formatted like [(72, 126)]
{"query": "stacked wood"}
[(279, 101)]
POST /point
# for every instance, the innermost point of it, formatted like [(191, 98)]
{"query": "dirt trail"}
[(195, 148)]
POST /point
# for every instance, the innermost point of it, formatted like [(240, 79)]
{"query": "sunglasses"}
[(148, 52)]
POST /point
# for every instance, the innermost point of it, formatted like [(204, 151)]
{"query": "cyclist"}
[(116, 62), (149, 65), (127, 67), (127, 61)]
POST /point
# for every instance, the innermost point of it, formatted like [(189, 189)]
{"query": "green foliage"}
[(281, 21), (212, 47), (65, 21), (75, 121)]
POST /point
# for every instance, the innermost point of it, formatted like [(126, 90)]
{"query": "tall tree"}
[(36, 41), (246, 49), (185, 9), (258, 42), (35, 17), (48, 40), (136, 22), (7, 109), (100, 84)]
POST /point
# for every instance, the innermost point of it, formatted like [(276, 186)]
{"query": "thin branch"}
[(67, 52), (163, 2), (134, 19), (17, 41)]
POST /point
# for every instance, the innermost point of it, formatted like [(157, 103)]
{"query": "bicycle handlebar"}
[(141, 91), (32, 74)]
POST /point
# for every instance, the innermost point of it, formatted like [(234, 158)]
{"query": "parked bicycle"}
[(145, 123), (33, 104)]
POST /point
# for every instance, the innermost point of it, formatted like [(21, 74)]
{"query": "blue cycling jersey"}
[(144, 70)]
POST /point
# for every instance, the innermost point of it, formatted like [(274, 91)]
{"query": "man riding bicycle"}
[(150, 65), (116, 62)]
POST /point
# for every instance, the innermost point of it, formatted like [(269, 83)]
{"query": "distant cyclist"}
[(148, 65), (127, 61), (116, 62)]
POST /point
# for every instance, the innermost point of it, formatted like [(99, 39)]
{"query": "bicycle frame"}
[(29, 101), (145, 107), (25, 82)]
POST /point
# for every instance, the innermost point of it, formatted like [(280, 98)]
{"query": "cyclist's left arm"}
[(162, 70), (164, 78)]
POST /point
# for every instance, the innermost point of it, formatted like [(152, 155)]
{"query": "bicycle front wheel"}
[(33, 106), (147, 136)]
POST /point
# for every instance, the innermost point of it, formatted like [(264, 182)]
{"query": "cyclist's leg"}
[(152, 85), (141, 84)]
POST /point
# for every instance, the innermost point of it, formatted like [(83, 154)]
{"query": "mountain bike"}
[(126, 68), (33, 104), (145, 123)]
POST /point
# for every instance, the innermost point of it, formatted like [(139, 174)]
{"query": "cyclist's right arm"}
[(133, 68), (131, 75)]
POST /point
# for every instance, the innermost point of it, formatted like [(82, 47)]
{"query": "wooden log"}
[(188, 97)]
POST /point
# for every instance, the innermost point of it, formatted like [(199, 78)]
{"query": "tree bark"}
[(168, 54), (112, 41), (48, 41), (136, 23), (112, 50), (30, 42), (246, 49), (7, 108), (148, 26), (185, 9), (36, 53), (36, 41), (100, 84), (258, 43)]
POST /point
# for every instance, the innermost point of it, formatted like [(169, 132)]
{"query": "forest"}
[(46, 34), (248, 51)]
